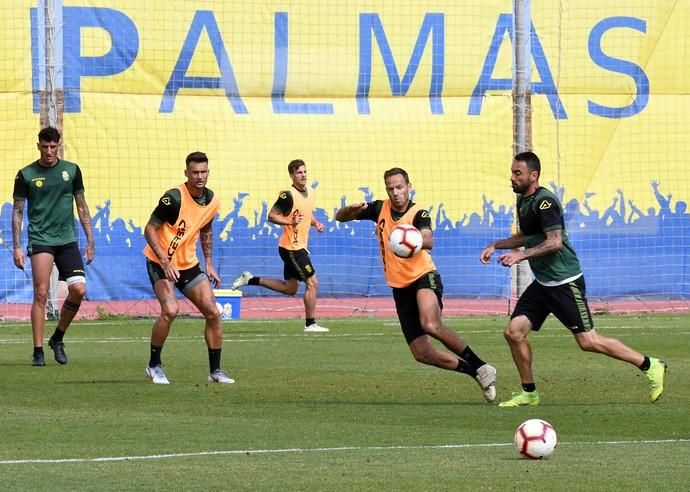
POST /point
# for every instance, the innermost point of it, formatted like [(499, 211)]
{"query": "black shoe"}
[(38, 360), (59, 350)]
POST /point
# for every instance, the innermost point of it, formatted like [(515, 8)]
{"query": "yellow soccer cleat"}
[(655, 376), (520, 399)]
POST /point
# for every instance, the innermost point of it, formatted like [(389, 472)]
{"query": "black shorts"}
[(67, 259), (567, 302), (407, 307), (297, 264), (188, 278)]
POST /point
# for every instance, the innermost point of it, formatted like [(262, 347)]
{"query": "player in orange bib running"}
[(183, 215), (294, 210), (417, 287)]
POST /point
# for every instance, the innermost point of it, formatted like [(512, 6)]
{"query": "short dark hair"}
[(396, 170), (196, 157), (531, 159), (49, 134), (294, 165)]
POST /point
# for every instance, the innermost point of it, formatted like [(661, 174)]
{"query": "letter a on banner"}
[(203, 19)]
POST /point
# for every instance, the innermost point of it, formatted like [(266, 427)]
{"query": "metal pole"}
[(50, 117), (522, 105), (49, 29)]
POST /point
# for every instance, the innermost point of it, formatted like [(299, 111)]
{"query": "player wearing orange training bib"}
[(416, 284), (183, 216), (294, 211)]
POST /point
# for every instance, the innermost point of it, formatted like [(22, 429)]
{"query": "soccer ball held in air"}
[(405, 241)]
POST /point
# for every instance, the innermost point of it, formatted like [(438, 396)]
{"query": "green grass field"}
[(346, 410)]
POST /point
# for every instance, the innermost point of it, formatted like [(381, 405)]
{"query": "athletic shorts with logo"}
[(67, 258), (566, 302), (407, 307), (297, 264)]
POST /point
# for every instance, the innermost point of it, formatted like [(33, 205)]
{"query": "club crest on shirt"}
[(544, 205), (65, 176)]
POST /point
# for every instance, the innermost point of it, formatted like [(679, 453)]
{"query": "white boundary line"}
[(319, 450), (269, 337), (257, 337), (229, 337)]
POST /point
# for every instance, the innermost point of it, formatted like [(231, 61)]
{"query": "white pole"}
[(51, 119), (522, 105), (49, 29)]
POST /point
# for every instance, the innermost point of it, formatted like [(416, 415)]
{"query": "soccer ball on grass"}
[(405, 241), (535, 439)]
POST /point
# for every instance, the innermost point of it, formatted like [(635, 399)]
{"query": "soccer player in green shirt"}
[(49, 185), (559, 285)]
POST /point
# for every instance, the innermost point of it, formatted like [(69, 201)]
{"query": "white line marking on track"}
[(319, 450), (249, 337), (268, 337)]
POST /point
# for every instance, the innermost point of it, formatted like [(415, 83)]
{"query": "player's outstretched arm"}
[(515, 241), (350, 212)]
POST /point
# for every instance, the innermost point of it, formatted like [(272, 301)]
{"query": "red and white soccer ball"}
[(535, 439), (405, 241)]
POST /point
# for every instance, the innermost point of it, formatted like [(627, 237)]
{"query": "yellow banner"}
[(353, 88)]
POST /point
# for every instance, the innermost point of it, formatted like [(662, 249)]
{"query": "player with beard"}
[(558, 288), (416, 284)]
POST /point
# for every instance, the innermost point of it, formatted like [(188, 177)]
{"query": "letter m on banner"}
[(433, 26)]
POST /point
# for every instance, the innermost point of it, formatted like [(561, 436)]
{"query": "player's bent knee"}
[(422, 357), (212, 315), (587, 345), (432, 328), (170, 312), (513, 335), (422, 350), (77, 289), (290, 287)]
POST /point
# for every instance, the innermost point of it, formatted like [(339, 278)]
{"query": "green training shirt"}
[(50, 194), (540, 213)]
